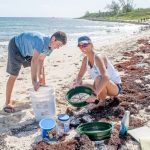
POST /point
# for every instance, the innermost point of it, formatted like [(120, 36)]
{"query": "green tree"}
[(113, 7), (126, 5), (87, 13)]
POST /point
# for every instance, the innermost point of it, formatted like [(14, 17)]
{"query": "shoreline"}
[(119, 21), (4, 39)]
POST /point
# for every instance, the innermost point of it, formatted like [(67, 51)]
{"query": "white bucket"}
[(43, 102)]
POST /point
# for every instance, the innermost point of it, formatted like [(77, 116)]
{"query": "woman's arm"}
[(101, 64), (81, 72)]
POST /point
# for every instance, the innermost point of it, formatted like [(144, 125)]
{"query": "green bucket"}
[(96, 130), (78, 90)]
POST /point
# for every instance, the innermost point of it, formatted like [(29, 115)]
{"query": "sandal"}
[(9, 109)]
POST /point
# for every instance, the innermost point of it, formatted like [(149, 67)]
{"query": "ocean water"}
[(10, 26)]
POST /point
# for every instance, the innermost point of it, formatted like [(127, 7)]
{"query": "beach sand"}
[(61, 69)]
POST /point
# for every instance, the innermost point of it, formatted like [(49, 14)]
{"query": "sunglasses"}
[(83, 45)]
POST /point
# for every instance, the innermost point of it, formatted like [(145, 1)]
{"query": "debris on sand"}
[(136, 122), (135, 96), (114, 139), (69, 145), (2, 141), (81, 143)]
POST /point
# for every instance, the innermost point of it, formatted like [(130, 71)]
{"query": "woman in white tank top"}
[(106, 79)]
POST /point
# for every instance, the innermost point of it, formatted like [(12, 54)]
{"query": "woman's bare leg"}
[(110, 89)]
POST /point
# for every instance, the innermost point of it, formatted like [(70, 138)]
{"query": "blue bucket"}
[(48, 128)]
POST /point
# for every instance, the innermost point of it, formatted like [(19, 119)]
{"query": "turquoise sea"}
[(97, 30)]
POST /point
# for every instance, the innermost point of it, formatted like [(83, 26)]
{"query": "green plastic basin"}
[(78, 90), (96, 130)]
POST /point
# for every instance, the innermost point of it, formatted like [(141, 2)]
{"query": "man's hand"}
[(36, 85), (42, 80), (91, 99)]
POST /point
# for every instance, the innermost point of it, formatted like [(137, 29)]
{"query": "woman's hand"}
[(91, 99), (77, 83)]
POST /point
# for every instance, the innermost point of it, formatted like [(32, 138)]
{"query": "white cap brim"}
[(84, 42)]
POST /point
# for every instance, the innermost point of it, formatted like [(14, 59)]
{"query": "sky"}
[(57, 8)]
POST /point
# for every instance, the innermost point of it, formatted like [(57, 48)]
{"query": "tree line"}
[(122, 6)]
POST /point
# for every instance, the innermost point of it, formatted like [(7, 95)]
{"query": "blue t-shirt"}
[(28, 41)]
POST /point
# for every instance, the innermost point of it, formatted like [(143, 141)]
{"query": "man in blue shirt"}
[(30, 49)]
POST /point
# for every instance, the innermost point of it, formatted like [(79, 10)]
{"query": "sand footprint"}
[(19, 105), (12, 119)]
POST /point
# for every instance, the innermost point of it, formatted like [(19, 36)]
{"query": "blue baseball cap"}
[(84, 40)]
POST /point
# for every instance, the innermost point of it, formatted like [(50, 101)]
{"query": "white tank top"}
[(112, 73)]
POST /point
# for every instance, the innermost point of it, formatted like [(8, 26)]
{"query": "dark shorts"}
[(119, 88), (15, 59)]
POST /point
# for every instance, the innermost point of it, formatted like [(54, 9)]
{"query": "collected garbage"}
[(63, 124), (124, 124), (52, 130), (48, 129)]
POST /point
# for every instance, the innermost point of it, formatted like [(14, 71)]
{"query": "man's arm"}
[(36, 67), (41, 72)]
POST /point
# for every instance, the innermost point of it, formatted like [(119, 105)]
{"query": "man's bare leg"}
[(9, 89)]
